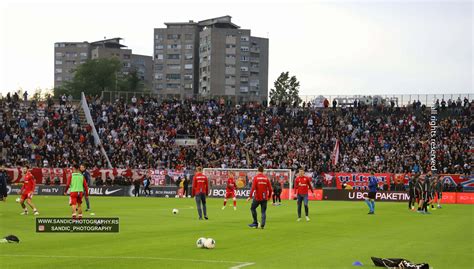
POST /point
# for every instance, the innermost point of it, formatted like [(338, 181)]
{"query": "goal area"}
[(218, 177)]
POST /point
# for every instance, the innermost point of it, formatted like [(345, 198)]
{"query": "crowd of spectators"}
[(143, 133)]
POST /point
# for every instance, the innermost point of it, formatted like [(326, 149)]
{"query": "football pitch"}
[(150, 236)]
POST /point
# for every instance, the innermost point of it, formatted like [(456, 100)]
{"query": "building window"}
[(159, 56), (59, 79), (173, 76), (158, 67), (230, 55), (189, 47), (159, 47), (159, 86), (188, 36), (59, 54), (59, 62), (159, 37), (188, 66), (174, 36), (244, 48), (174, 46), (83, 54), (172, 85), (173, 56), (59, 70), (244, 68), (244, 58), (244, 38), (174, 66), (188, 56), (244, 89), (230, 46), (158, 76), (188, 77), (188, 86), (126, 56)]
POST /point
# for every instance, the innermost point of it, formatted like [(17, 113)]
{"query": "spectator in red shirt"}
[(200, 191), (302, 185), (262, 188)]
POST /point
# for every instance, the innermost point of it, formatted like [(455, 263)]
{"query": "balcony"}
[(254, 60), (255, 50)]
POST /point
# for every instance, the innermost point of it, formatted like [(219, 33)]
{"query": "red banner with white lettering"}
[(360, 181)]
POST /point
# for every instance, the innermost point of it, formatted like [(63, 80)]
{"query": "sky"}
[(332, 47)]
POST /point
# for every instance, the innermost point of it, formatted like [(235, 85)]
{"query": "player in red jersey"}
[(262, 187), (230, 190), (27, 191), (200, 191), (302, 185)]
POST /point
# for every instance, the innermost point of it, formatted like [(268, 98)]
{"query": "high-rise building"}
[(176, 59), (69, 55), (210, 58)]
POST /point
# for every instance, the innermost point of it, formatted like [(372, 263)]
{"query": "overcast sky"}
[(333, 47)]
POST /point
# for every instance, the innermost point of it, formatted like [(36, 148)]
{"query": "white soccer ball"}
[(209, 243), (176, 196), (200, 242), (175, 211), (167, 196), (189, 196), (17, 199)]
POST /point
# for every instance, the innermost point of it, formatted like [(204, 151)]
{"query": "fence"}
[(398, 99)]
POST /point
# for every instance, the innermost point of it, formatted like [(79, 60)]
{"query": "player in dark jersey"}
[(426, 193), (87, 177), (276, 185), (439, 191), (370, 200), (419, 192), (411, 193)]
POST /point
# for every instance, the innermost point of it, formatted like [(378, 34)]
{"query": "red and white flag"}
[(335, 153)]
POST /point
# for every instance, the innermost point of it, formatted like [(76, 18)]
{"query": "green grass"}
[(338, 234)]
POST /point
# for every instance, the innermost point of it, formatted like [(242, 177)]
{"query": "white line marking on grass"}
[(238, 266), (242, 265)]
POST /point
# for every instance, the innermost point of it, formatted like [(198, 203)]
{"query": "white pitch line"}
[(242, 265), (238, 266)]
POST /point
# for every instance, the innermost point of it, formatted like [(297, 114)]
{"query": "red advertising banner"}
[(158, 176), (219, 177), (458, 198), (317, 196), (359, 181)]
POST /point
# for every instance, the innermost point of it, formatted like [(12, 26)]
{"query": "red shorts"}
[(26, 195), (229, 194), (75, 198)]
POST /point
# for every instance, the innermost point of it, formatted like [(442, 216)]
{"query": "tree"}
[(132, 82), (93, 77), (286, 90)]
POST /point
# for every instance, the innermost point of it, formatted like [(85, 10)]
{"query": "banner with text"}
[(360, 181)]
